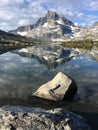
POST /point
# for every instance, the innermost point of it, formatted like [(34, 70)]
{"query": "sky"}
[(15, 13)]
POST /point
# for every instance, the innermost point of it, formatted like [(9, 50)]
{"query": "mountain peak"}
[(50, 26), (52, 15)]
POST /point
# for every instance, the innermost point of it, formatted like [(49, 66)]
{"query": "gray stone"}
[(61, 87), (24, 118)]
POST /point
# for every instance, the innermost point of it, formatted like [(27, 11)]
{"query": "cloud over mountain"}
[(13, 12)]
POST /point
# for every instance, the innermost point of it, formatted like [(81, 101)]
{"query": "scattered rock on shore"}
[(61, 87), (24, 118)]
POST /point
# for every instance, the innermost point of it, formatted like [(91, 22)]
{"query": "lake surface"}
[(21, 76)]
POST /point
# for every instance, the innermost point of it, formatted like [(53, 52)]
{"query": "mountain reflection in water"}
[(50, 55), (21, 76)]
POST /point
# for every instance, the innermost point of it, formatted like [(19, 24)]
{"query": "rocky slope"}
[(24, 118), (22, 30), (90, 32), (11, 38)]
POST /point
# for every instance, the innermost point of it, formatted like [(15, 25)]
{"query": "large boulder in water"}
[(61, 87), (24, 118)]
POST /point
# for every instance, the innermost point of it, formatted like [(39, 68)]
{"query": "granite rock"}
[(61, 87), (24, 118)]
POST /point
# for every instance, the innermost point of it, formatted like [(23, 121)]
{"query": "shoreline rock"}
[(61, 87), (25, 118)]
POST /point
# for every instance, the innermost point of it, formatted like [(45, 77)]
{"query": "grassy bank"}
[(85, 44)]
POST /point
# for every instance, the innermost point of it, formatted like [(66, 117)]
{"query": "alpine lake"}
[(22, 74)]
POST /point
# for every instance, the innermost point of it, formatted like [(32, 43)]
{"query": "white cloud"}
[(23, 22), (4, 24), (80, 15), (6, 14), (91, 5), (21, 12), (83, 24), (70, 13), (10, 2), (94, 5)]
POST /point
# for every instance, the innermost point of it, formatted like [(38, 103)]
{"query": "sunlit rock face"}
[(61, 87), (50, 55), (24, 118)]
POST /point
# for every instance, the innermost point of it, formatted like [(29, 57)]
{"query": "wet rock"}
[(24, 118), (61, 87)]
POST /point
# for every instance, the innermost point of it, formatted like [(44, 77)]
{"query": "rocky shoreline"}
[(25, 118)]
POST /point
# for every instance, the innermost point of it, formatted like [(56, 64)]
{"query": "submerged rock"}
[(61, 87), (24, 118)]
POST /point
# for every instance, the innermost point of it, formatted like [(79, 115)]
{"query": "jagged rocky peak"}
[(51, 15), (50, 26)]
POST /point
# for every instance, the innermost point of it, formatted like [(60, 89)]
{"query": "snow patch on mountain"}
[(45, 25), (60, 22), (22, 33)]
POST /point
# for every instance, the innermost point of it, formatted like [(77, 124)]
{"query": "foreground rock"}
[(23, 118), (60, 88)]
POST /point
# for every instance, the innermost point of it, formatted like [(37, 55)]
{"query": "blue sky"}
[(14, 13)]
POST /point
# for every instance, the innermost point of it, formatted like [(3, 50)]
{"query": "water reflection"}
[(49, 55), (20, 76)]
